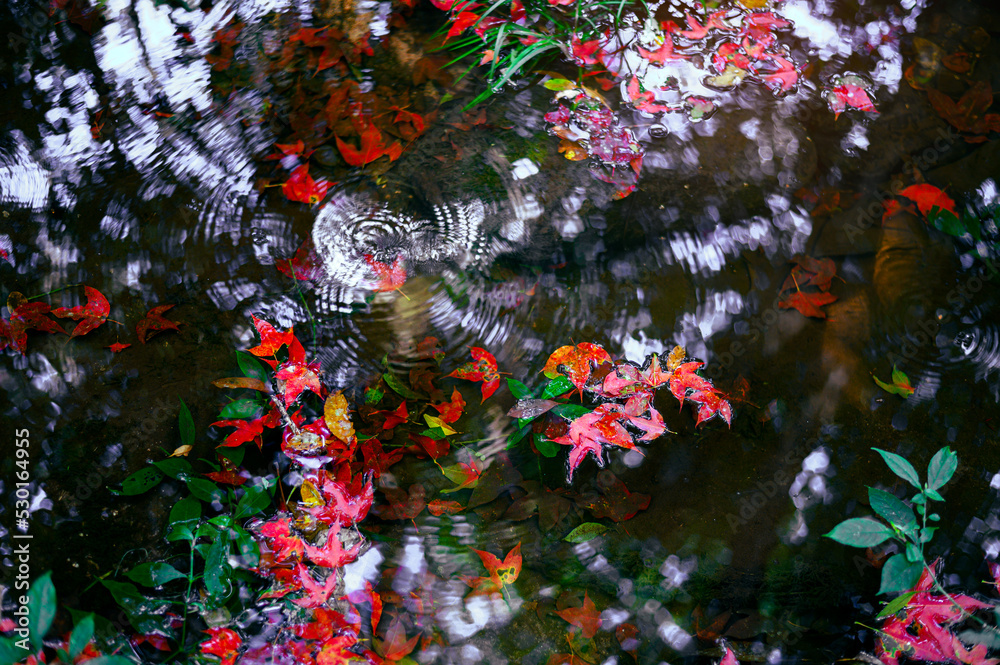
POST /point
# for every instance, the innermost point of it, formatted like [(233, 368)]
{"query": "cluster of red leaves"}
[(968, 114), (807, 287), (588, 366), (324, 105), (588, 128), (922, 629), (25, 316)]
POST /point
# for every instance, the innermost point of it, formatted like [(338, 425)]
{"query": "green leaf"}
[(546, 447), (900, 574), (140, 482), (584, 532), (233, 454), (933, 494), (154, 574), (174, 466), (80, 637), (570, 411), (517, 389), (41, 608), (517, 436), (241, 408), (141, 612), (251, 367), (10, 653), (556, 387), (559, 84), (187, 425), (913, 553), (941, 468), (373, 395), (217, 570), (897, 604), (255, 499), (246, 548), (927, 533), (860, 532), (900, 384), (186, 510), (205, 490), (892, 510), (900, 466), (399, 387)]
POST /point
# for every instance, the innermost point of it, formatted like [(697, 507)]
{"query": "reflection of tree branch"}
[(284, 416)]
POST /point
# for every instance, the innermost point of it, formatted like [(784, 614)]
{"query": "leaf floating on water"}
[(118, 347), (900, 384), (807, 303), (90, 316), (155, 323), (584, 532)]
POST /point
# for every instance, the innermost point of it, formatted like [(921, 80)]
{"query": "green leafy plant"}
[(906, 523), (30, 641)]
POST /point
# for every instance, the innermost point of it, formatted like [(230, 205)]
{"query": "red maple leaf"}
[(230, 474), (346, 502), (484, 368), (317, 594), (224, 643), (26, 316), (390, 277), (627, 635), (662, 54), (685, 384), (969, 113), (118, 347), (90, 316), (712, 403), (729, 658), (372, 145), (298, 377), (784, 76), (395, 417), (585, 617), (615, 501), (627, 379), (395, 646), (927, 197), (459, 23), (587, 53), (270, 339), (403, 505), (451, 411), (248, 430), (332, 554), (577, 362), (501, 573), (425, 446), (285, 544), (154, 323), (376, 459), (304, 265), (808, 303), (846, 96), (810, 272), (301, 187), (465, 474)]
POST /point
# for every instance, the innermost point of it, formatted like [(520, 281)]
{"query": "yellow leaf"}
[(240, 382), (730, 77), (434, 421), (338, 417), (753, 4), (310, 495), (181, 451), (676, 357)]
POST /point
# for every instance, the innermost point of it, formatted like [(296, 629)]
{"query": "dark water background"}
[(163, 210)]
